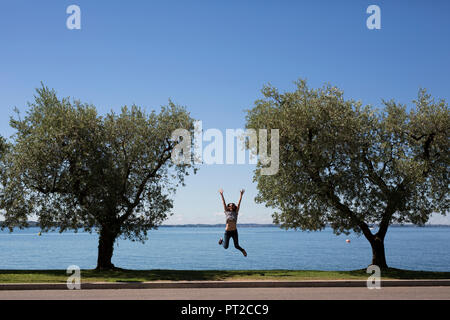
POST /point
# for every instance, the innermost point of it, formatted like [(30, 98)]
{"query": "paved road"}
[(400, 293)]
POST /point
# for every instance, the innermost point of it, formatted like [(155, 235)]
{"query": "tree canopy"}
[(3, 150), (350, 166), (73, 168)]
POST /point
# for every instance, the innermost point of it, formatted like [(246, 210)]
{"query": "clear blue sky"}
[(214, 57)]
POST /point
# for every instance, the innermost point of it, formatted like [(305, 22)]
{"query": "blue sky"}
[(214, 57)]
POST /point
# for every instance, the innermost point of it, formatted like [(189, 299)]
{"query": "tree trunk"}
[(378, 254), (105, 249)]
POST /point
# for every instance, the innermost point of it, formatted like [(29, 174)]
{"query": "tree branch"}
[(329, 193), (141, 188), (374, 177)]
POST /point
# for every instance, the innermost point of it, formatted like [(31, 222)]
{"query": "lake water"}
[(196, 248)]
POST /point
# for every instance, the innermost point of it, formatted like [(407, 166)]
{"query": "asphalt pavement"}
[(342, 293)]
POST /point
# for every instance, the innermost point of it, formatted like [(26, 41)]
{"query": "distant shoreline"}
[(33, 224)]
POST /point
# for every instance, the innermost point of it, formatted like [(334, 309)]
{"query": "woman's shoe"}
[(220, 241), (244, 253)]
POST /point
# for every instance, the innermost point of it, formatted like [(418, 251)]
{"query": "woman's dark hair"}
[(232, 204)]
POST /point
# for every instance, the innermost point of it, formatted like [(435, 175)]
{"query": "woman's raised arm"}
[(240, 199), (223, 199)]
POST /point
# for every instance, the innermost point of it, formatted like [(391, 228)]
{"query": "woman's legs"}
[(235, 237), (226, 240)]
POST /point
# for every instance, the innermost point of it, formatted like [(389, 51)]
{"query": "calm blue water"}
[(197, 248)]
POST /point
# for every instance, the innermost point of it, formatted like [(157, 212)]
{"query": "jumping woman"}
[(231, 214)]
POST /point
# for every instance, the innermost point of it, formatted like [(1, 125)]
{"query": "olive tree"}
[(3, 151), (351, 166), (112, 174)]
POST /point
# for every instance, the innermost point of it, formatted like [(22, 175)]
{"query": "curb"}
[(225, 284)]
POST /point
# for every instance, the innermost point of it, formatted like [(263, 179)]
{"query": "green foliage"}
[(75, 169), (3, 150), (349, 165), (2, 146)]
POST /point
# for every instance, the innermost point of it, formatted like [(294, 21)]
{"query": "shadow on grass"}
[(393, 273), (123, 275), (166, 275)]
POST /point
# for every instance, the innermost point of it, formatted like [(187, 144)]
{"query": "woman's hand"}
[(221, 191), (242, 192)]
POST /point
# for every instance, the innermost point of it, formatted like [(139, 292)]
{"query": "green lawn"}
[(54, 276)]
